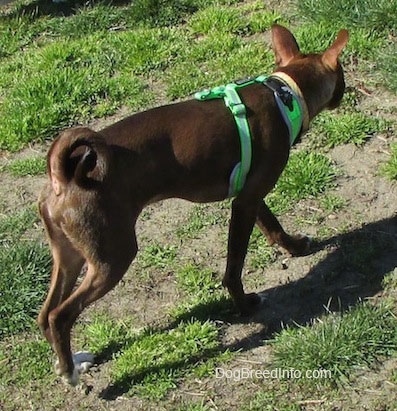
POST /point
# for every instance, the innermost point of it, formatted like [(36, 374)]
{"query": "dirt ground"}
[(358, 248)]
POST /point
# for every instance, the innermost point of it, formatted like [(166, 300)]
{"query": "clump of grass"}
[(24, 273), (162, 12), (350, 127), (228, 58), (339, 343), (224, 19), (13, 226), (306, 175), (332, 203), (153, 362), (386, 62), (27, 167), (389, 169), (381, 15), (260, 253), (314, 37), (197, 282), (106, 335), (65, 82), (24, 361), (201, 291), (203, 216), (157, 256)]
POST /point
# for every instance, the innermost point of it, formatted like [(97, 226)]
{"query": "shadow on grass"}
[(48, 8), (353, 270)]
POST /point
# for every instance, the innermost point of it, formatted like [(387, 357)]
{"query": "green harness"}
[(289, 106)]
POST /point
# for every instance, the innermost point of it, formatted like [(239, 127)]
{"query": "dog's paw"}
[(72, 379), (298, 245), (83, 361), (251, 304)]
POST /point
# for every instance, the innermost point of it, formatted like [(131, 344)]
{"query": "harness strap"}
[(290, 102), (289, 105), (238, 109), (234, 103)]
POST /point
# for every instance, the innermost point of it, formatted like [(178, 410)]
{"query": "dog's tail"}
[(78, 155)]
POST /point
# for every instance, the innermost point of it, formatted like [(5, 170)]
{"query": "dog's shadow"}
[(352, 270)]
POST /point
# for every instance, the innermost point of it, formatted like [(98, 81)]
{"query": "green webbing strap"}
[(233, 101), (236, 106), (290, 109)]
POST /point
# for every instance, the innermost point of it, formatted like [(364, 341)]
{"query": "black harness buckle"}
[(282, 91)]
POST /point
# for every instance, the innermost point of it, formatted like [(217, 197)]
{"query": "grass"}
[(57, 71), (260, 254), (389, 169), (382, 15), (25, 360), (27, 167), (73, 79), (24, 273), (157, 256), (339, 343), (153, 363), (150, 362), (201, 292), (348, 127), (306, 175), (203, 216)]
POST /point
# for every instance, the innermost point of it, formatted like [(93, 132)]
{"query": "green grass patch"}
[(332, 203), (389, 169), (269, 400), (260, 253), (24, 272), (203, 216), (202, 294), (339, 343), (222, 18), (217, 59), (306, 175), (157, 256), (350, 127), (316, 36), (13, 226), (65, 82), (23, 360), (386, 63), (152, 364), (380, 15), (27, 167)]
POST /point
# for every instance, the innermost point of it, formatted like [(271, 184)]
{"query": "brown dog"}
[(101, 181)]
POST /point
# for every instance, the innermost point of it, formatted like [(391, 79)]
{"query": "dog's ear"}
[(331, 55), (284, 44)]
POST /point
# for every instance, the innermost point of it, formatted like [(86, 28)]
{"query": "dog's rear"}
[(79, 155), (99, 183)]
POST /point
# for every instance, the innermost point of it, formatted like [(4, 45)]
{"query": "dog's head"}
[(312, 70)]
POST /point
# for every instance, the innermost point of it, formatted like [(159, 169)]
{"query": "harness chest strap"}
[(290, 107)]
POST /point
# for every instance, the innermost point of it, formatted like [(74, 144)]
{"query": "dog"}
[(99, 182)]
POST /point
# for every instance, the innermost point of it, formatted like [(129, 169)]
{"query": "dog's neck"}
[(295, 88)]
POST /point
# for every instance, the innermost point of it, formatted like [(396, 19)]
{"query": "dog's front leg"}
[(269, 225), (241, 225)]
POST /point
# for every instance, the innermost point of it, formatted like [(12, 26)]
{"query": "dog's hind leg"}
[(102, 275), (67, 264), (274, 232)]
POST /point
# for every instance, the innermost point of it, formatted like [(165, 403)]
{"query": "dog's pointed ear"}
[(331, 55), (284, 44)]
